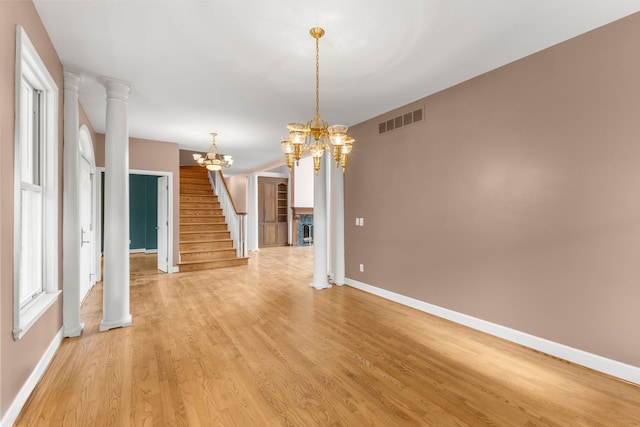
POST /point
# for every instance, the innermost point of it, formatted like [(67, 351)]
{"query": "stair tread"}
[(207, 218), (205, 241), (203, 223), (208, 240), (192, 251), (191, 224), (202, 261), (193, 214), (206, 231)]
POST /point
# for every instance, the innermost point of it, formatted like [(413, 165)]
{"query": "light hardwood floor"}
[(256, 346)]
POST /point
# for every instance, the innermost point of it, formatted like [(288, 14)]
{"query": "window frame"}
[(29, 67)]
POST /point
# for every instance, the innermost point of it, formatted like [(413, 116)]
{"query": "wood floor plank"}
[(256, 346)]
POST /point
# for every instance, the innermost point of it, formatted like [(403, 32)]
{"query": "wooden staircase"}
[(205, 240)]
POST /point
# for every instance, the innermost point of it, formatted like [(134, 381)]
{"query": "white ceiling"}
[(246, 68)]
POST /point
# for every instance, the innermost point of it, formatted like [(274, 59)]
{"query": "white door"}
[(163, 223), (87, 273)]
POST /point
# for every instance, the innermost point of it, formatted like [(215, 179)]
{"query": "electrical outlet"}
[(361, 268)]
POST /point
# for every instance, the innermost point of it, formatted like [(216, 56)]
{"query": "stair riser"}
[(191, 237), (197, 200), (199, 212), (199, 184), (213, 264), (208, 256), (203, 227), (190, 188), (200, 205), (194, 179), (206, 246), (201, 218), (197, 192)]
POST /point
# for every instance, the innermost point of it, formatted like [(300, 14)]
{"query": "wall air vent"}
[(401, 121)]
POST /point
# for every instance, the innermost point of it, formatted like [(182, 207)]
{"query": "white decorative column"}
[(71, 234), (329, 210), (338, 226), (115, 311), (320, 227), (252, 213)]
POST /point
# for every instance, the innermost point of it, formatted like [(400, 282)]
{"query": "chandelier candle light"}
[(213, 161), (317, 136)]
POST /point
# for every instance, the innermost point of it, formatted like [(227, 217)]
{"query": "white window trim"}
[(30, 66)]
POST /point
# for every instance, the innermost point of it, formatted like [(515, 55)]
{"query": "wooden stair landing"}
[(205, 240)]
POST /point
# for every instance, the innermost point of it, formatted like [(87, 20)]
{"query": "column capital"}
[(72, 81), (116, 88)]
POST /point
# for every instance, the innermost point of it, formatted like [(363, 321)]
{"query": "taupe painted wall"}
[(238, 188), (156, 156), (18, 358), (186, 157), (517, 200)]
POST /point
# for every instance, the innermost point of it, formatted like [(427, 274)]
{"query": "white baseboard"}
[(16, 406), (150, 251), (593, 361), (174, 269)]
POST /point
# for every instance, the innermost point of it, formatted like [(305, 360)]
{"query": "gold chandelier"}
[(213, 160), (316, 135)]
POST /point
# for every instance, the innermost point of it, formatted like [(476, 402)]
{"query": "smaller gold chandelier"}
[(213, 160), (316, 135)]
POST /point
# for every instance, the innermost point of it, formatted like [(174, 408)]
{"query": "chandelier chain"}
[(317, 80)]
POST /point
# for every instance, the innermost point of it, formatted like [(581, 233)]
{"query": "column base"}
[(320, 286), (75, 331), (336, 282), (105, 326)]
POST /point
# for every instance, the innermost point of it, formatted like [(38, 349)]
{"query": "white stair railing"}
[(237, 221)]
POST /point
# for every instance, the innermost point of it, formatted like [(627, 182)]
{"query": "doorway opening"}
[(150, 220)]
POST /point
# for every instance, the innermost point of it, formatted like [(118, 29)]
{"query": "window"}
[(35, 188)]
